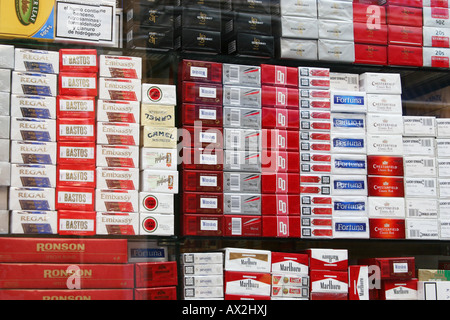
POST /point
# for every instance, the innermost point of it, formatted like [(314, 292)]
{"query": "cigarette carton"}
[(247, 283), (386, 186), (248, 118), (117, 156), (328, 259), (419, 126), (274, 75), (117, 178), (329, 281), (77, 84), (118, 133), (31, 175), (243, 226), (119, 89), (75, 198), (204, 203), (118, 111), (387, 228), (159, 137), (423, 229), (358, 282), (34, 222), (116, 200), (78, 60), (388, 207), (157, 224), (242, 260), (380, 83), (156, 274), (423, 208), (242, 204), (206, 115), (28, 152), (206, 181), (28, 129), (27, 83), (76, 130), (351, 227), (281, 226), (75, 106), (120, 67), (76, 153), (387, 145), (156, 202), (32, 199), (202, 71), (80, 223), (203, 225), (393, 268), (117, 223), (157, 115), (69, 175)]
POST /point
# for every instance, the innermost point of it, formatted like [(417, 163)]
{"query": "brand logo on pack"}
[(150, 202), (154, 94), (27, 11), (150, 224)]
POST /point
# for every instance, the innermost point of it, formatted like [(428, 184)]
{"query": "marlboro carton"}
[(237, 259), (117, 223), (358, 282), (118, 111), (75, 198), (241, 75), (78, 84), (328, 259), (242, 225), (281, 226), (247, 283), (156, 274), (117, 178), (75, 106), (78, 60), (76, 176), (117, 156), (157, 224), (209, 116), (291, 263), (327, 281), (399, 289), (202, 225), (206, 181), (201, 71), (387, 228), (116, 200), (34, 222), (120, 67), (76, 130), (81, 223)]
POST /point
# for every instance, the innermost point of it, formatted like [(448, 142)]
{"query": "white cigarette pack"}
[(158, 159), (252, 260), (336, 50), (5, 105), (299, 27), (436, 37), (30, 152), (203, 292), (203, 269), (159, 181), (436, 17), (344, 81), (32, 199), (116, 200), (351, 228), (380, 83), (5, 128), (4, 222), (119, 89), (5, 80), (5, 145), (384, 123), (436, 57), (28, 129), (422, 208), (420, 146), (349, 206), (420, 166), (444, 229), (157, 115), (7, 56), (34, 222), (384, 103), (118, 133), (123, 156), (443, 167), (387, 144), (33, 175), (29, 60), (421, 187), (418, 126), (157, 224), (118, 111), (433, 290), (120, 67), (306, 8), (422, 229), (444, 188), (5, 174), (298, 49), (202, 281), (386, 207), (335, 10), (443, 147), (156, 203), (348, 122), (336, 29), (442, 127), (117, 223), (33, 107), (159, 137), (159, 94), (41, 84), (444, 208), (201, 258), (117, 178)]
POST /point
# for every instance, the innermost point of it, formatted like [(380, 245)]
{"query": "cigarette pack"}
[(241, 75), (78, 60), (240, 139), (279, 97), (75, 198), (117, 178), (280, 183), (76, 153), (118, 133), (201, 93), (203, 293), (34, 222), (156, 274), (405, 16), (392, 268), (399, 290), (380, 83), (202, 281), (146, 251), (336, 50), (157, 115), (46, 250), (444, 208), (156, 202), (241, 96), (442, 147), (298, 49), (349, 164), (7, 56), (402, 55), (157, 224), (384, 124), (119, 89), (159, 94), (158, 38), (32, 199), (328, 259), (201, 71), (28, 129), (201, 258), (41, 84), (278, 118), (75, 106), (335, 29), (348, 101), (280, 161), (303, 9), (385, 165), (247, 260), (66, 276), (387, 228), (419, 126), (329, 281), (157, 293), (203, 137), (243, 283), (206, 115), (242, 204), (356, 144), (120, 67), (250, 45), (200, 40), (299, 27), (66, 294), (351, 228), (203, 159), (72, 175), (246, 118), (342, 185), (342, 10), (32, 175), (159, 137), (205, 181), (77, 84), (385, 186), (420, 166), (203, 203), (320, 125), (381, 103), (163, 181), (370, 54), (274, 75), (437, 37), (421, 187), (118, 111), (358, 282), (76, 130), (290, 263), (422, 229), (320, 232), (281, 226), (405, 35), (251, 23), (423, 146), (28, 152), (423, 208), (242, 226), (435, 3), (116, 200), (348, 122), (241, 181), (242, 161), (350, 206), (156, 158), (442, 128), (387, 207), (203, 225), (79, 223), (5, 106), (436, 17), (117, 223), (443, 167), (387, 145), (122, 156), (365, 12), (282, 140)]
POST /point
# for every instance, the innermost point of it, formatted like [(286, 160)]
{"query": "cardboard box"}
[(32, 199), (118, 133), (386, 186), (78, 60), (203, 137), (423, 208), (76, 130), (423, 229), (328, 259), (76, 153), (118, 111), (117, 223), (116, 200), (241, 75), (34, 222), (298, 49), (159, 181), (199, 93), (380, 83), (122, 156), (422, 187), (245, 283), (387, 207), (156, 202), (78, 84), (399, 290), (206, 115), (203, 225), (387, 228), (281, 226), (75, 198), (157, 224), (27, 83), (437, 37), (247, 118), (65, 294), (402, 55), (202, 71), (117, 178), (29, 152), (28, 129), (157, 115), (75, 176), (350, 206), (432, 290), (159, 137), (393, 267), (358, 282), (387, 145), (157, 293), (120, 67), (156, 274), (205, 181), (157, 158), (242, 226), (31, 175), (422, 146), (436, 57), (328, 281), (119, 89), (385, 166), (336, 50), (79, 223), (405, 35), (75, 106), (202, 159)]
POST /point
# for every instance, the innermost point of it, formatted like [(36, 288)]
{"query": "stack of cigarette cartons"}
[(117, 156), (76, 138), (202, 274), (33, 145), (159, 159), (443, 174)]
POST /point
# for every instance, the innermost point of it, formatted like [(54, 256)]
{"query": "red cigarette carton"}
[(404, 16), (201, 159), (202, 93), (76, 130), (327, 296), (75, 198), (72, 175), (329, 281), (358, 282), (381, 228), (202, 203), (405, 56), (370, 54), (81, 153), (280, 161), (307, 179), (384, 166), (78, 84), (242, 226), (78, 60), (393, 268), (280, 205), (317, 167), (364, 33), (316, 200), (283, 140), (157, 293), (385, 186), (206, 115), (156, 274), (328, 259), (279, 97), (370, 14), (201, 71), (202, 137), (279, 75), (280, 183), (75, 107), (290, 262), (253, 283), (60, 250), (78, 223), (47, 294), (281, 226), (306, 114), (406, 3), (203, 181), (277, 118), (66, 276), (245, 297), (202, 225), (315, 210), (402, 289), (405, 35)]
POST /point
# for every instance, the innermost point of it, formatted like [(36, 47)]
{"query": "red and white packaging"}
[(281, 226), (313, 158), (283, 183), (317, 232), (66, 276), (118, 111), (280, 205), (81, 130), (279, 97), (73, 175), (116, 200), (405, 56), (202, 203), (315, 189), (120, 67), (79, 153), (66, 294), (385, 186), (296, 263), (315, 125), (242, 226), (314, 82), (202, 181), (206, 115), (328, 259), (315, 167), (316, 211), (78, 60), (368, 34), (283, 140), (117, 223), (399, 289), (436, 17), (202, 225), (405, 35), (358, 282), (156, 274), (316, 200), (79, 223), (370, 54), (327, 296), (316, 104), (201, 71), (311, 179), (117, 156), (371, 14), (407, 3), (75, 106), (385, 165), (279, 75), (393, 267), (306, 114), (436, 57), (202, 93), (120, 89), (118, 133), (201, 159), (386, 228), (436, 37), (404, 16), (202, 137), (117, 178), (279, 118), (75, 198), (247, 283), (280, 161), (77, 84), (328, 281)]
